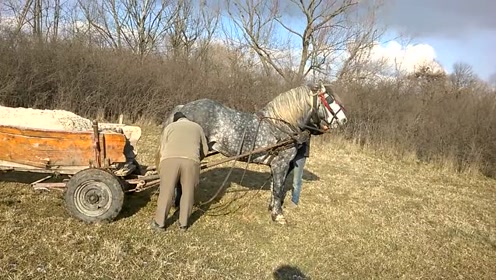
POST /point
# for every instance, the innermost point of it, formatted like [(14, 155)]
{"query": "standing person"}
[(182, 148), (299, 164)]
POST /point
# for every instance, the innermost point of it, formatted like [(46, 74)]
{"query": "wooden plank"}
[(46, 149), (12, 166)]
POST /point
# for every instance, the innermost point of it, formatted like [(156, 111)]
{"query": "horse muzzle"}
[(324, 126)]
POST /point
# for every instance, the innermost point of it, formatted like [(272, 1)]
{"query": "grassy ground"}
[(360, 217)]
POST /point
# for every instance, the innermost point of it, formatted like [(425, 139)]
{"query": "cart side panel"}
[(46, 149)]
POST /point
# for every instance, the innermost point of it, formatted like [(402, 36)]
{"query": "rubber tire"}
[(109, 187)]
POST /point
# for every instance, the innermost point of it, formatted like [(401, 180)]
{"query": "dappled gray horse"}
[(231, 132)]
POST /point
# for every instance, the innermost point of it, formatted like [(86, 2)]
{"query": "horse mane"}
[(290, 106)]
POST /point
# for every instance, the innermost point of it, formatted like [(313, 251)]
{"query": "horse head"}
[(328, 112), (315, 108)]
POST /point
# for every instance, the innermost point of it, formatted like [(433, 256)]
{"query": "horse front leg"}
[(271, 201), (279, 167), (285, 190)]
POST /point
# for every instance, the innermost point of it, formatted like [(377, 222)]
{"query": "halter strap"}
[(319, 94), (315, 114), (324, 102)]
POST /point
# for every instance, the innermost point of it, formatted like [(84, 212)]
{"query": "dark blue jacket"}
[(304, 150)]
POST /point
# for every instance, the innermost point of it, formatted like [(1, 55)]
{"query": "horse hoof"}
[(279, 218)]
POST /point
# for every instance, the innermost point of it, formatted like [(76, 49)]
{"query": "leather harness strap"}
[(315, 114)]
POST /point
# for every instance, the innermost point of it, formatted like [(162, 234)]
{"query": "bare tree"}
[(41, 17), (323, 32), (142, 26), (138, 25), (255, 20), (37, 18), (328, 30), (360, 38), (20, 11), (463, 76), (193, 23), (56, 19)]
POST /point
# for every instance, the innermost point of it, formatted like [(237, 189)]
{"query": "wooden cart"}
[(100, 164)]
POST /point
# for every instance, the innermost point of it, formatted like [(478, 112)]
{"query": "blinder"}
[(325, 99), (315, 113)]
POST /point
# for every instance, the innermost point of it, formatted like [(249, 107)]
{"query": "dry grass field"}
[(361, 217)]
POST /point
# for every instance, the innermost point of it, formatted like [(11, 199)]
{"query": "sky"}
[(447, 30)]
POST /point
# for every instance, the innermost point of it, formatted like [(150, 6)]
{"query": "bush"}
[(432, 121), (101, 83), (426, 117)]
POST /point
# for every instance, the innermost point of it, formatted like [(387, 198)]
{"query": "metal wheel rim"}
[(93, 198)]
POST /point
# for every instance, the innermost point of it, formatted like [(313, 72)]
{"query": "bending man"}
[(182, 147)]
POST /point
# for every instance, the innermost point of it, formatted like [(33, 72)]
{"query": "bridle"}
[(322, 96)]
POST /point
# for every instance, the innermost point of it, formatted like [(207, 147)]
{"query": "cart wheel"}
[(94, 195)]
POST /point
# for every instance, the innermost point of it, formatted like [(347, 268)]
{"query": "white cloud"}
[(406, 58)]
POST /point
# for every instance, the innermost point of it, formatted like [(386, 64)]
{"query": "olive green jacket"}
[(183, 139)]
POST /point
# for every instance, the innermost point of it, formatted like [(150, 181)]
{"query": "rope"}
[(225, 206), (234, 161), (228, 174), (250, 154)]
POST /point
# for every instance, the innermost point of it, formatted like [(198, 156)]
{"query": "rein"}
[(324, 102), (291, 139), (228, 174)]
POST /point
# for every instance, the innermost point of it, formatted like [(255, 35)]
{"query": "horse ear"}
[(328, 88), (314, 87)]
